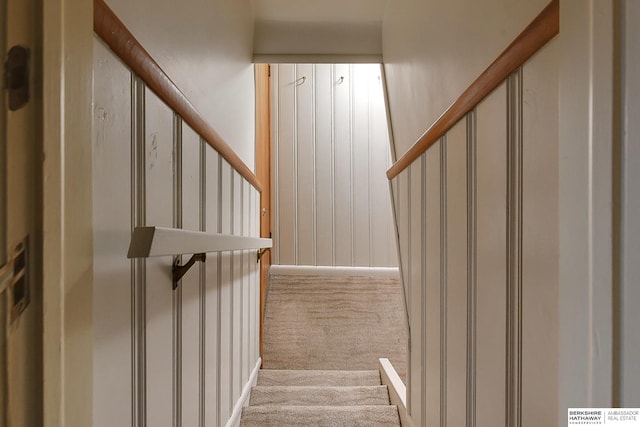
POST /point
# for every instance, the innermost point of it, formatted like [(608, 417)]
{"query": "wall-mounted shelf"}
[(159, 241)]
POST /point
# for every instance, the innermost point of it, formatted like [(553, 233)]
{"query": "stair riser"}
[(319, 396), (318, 378), (304, 416)]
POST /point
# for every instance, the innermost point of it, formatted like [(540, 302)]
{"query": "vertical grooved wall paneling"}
[(177, 293), (457, 267), (304, 170), (491, 258), (415, 281), (477, 220), (157, 148), (226, 296), (431, 303), (202, 285), (113, 364), (472, 177), (212, 293), (331, 151), (190, 283), (443, 280), (540, 243), (514, 250), (160, 163), (236, 298), (166, 357), (138, 290)]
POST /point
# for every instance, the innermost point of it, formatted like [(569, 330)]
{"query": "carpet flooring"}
[(290, 398), (328, 321)]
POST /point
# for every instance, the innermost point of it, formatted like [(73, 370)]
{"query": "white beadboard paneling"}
[(256, 274), (112, 224), (185, 355), (431, 374), (491, 257), (212, 319), (416, 285), (324, 86), (274, 91), (540, 238), (254, 304), (226, 299), (343, 180), (305, 164), (460, 233), (382, 240), (331, 153), (403, 205), (285, 171), (190, 283), (246, 285), (236, 318), (456, 235), (160, 158), (360, 137)]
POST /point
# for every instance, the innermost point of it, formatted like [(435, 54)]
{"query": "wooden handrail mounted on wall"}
[(540, 31), (116, 35)]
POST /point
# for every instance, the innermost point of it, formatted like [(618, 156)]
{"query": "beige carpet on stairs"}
[(289, 398), (326, 321), (323, 336)]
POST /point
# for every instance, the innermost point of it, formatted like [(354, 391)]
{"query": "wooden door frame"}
[(263, 172)]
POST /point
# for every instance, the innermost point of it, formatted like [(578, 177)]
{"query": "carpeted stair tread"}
[(320, 416), (287, 377), (319, 396)]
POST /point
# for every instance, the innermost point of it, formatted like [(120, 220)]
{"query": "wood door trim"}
[(118, 37), (263, 171), (538, 33)]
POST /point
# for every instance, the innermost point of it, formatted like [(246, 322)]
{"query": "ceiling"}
[(334, 11)]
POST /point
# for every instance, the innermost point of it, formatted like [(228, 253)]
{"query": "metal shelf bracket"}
[(261, 252), (180, 270)]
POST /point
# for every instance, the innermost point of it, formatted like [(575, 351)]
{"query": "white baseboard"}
[(294, 270), (243, 400), (397, 390)]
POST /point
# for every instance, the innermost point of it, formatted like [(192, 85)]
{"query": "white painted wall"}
[(330, 155), (330, 31), (166, 357), (203, 44), (433, 50), (278, 41)]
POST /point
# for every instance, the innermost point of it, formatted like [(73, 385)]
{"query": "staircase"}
[(319, 398)]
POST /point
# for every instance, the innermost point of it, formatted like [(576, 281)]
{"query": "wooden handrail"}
[(118, 37), (540, 31)]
